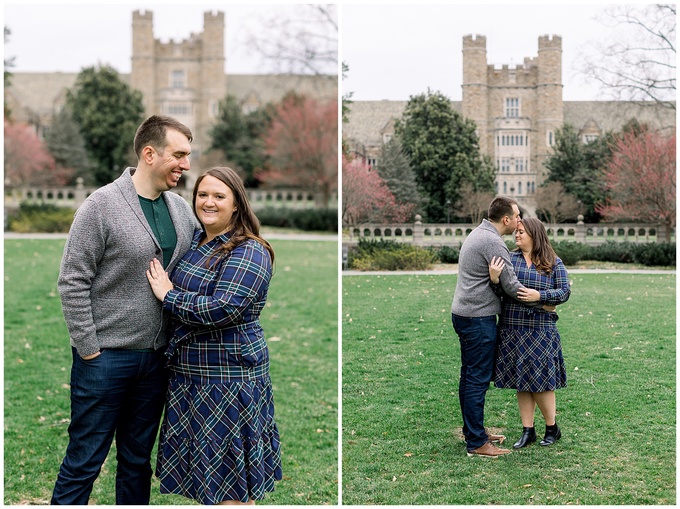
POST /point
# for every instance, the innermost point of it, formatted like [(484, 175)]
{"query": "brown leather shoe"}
[(488, 450)]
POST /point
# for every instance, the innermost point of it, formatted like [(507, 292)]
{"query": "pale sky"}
[(50, 36), (395, 51)]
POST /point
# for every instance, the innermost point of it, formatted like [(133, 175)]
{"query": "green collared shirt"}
[(158, 216)]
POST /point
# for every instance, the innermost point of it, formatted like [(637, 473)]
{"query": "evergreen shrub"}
[(40, 218), (389, 255), (325, 220), (447, 254)]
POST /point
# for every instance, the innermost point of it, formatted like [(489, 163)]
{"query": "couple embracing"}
[(523, 351)]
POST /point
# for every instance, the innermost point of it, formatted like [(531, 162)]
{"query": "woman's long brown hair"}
[(245, 224), (542, 253)]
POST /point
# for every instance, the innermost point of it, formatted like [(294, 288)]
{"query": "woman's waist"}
[(217, 373), (516, 316), (224, 335)]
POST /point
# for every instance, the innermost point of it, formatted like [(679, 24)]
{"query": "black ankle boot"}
[(552, 435), (528, 437)]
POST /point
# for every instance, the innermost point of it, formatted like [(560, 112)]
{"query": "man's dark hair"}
[(153, 132), (500, 206)]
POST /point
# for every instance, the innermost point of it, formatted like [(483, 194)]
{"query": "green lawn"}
[(401, 418), (300, 321)]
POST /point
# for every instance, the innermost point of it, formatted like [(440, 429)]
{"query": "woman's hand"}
[(158, 279), (528, 295), (495, 269)]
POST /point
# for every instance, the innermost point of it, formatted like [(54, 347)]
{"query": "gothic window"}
[(178, 79), (512, 107), (505, 188), (505, 164), (550, 138), (177, 109), (214, 108), (519, 188), (519, 165)]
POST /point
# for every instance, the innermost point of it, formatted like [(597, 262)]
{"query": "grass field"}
[(300, 321), (401, 418)]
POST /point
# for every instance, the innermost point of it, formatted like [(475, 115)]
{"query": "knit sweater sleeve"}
[(83, 250)]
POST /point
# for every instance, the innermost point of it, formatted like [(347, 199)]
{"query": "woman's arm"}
[(243, 281), (561, 289)]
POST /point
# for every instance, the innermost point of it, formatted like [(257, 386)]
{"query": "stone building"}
[(184, 79), (517, 111)]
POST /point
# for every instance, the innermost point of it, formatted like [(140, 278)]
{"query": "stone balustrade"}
[(432, 234), (74, 196)]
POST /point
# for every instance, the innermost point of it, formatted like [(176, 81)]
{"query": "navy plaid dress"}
[(219, 440), (529, 351)]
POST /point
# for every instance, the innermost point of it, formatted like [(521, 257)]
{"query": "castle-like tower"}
[(185, 79), (517, 111)]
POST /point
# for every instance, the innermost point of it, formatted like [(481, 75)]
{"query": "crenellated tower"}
[(475, 86), (142, 77), (549, 110), (517, 110)]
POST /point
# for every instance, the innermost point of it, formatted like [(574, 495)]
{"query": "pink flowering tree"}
[(27, 160), (366, 197), (302, 146), (640, 180)]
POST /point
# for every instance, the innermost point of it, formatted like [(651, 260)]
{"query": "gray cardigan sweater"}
[(474, 296), (105, 296)]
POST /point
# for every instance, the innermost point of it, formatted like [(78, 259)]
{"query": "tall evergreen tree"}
[(108, 113), (443, 149), (394, 168), (67, 146), (240, 137), (579, 167)]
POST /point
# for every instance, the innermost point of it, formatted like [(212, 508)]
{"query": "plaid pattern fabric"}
[(219, 440), (554, 289), (529, 352)]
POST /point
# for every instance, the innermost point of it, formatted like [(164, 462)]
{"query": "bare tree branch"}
[(640, 63), (304, 42)]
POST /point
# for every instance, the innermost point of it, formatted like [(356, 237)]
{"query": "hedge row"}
[(320, 220), (390, 255), (661, 254)]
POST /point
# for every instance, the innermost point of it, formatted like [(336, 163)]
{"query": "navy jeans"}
[(477, 352), (121, 393)]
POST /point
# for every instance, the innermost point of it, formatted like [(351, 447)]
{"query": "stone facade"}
[(517, 111)]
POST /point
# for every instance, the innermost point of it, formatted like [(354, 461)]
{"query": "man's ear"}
[(148, 154)]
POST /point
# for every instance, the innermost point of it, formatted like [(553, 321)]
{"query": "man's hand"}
[(528, 295)]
